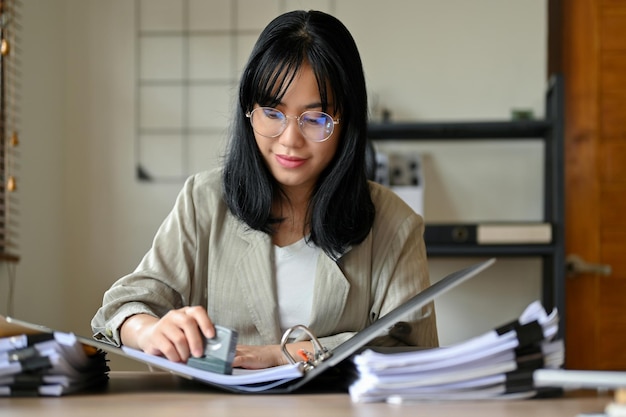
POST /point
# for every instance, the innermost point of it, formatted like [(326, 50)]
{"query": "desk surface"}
[(158, 394)]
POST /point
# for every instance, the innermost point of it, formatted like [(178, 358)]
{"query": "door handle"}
[(575, 265)]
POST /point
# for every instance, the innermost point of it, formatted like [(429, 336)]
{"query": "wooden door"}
[(588, 46)]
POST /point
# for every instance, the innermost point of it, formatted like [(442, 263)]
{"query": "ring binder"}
[(320, 353)]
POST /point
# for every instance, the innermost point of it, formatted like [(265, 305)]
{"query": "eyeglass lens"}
[(315, 126)]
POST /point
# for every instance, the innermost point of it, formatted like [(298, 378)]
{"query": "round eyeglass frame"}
[(285, 122)]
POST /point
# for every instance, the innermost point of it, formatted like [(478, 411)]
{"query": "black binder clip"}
[(310, 360)]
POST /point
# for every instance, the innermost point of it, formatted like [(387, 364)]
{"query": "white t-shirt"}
[(295, 275)]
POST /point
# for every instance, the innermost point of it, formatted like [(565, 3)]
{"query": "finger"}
[(163, 345), (243, 358), (181, 330), (196, 327), (178, 348), (204, 321), (237, 362), (239, 359), (249, 362)]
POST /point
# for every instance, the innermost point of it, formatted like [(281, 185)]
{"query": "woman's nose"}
[(292, 136)]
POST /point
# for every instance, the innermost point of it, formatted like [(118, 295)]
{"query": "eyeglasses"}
[(315, 126)]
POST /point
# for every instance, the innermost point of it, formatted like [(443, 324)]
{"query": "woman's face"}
[(295, 162)]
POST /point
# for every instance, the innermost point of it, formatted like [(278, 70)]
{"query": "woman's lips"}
[(289, 161)]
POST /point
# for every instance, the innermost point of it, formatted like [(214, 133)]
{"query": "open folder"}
[(288, 378)]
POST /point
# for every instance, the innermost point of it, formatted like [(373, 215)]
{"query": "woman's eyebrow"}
[(310, 106), (314, 105)]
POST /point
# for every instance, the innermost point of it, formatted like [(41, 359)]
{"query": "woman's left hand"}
[(267, 356)]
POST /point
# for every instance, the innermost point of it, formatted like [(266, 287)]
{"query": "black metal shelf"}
[(488, 250), (550, 131), (530, 129)]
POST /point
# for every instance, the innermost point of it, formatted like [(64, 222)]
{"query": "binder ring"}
[(320, 353)]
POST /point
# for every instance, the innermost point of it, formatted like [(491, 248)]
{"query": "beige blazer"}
[(203, 255)]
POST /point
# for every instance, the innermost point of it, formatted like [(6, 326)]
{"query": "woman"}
[(289, 231)]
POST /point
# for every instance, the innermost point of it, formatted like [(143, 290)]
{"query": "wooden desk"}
[(145, 394)]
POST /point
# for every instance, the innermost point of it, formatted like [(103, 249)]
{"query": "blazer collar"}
[(329, 296), (256, 273)]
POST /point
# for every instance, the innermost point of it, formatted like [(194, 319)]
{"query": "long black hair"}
[(340, 211)]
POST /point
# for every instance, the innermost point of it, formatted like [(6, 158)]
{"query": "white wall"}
[(40, 292), (86, 220)]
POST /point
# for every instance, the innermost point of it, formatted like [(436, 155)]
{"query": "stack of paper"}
[(497, 364), (50, 364)]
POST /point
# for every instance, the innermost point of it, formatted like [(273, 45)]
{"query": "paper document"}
[(49, 364), (242, 379), (499, 363)]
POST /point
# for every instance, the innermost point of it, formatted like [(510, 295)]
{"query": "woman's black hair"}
[(340, 211)]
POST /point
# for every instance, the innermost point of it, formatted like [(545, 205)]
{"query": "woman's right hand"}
[(177, 335)]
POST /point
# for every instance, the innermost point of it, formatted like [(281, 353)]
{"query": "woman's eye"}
[(315, 120), (273, 114)]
